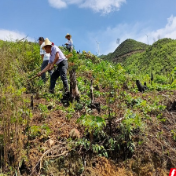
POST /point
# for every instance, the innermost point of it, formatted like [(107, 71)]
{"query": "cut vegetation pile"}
[(133, 134)]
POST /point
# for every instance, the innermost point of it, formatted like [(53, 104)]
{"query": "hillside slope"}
[(159, 58), (125, 49), (133, 134)]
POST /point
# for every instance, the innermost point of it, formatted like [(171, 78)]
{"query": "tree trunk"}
[(74, 92), (93, 105), (139, 86), (32, 102), (91, 92)]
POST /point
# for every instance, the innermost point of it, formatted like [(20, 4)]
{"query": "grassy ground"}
[(134, 133)]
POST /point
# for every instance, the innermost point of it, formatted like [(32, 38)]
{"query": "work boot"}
[(67, 93), (66, 96)]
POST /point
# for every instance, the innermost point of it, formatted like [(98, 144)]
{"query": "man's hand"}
[(39, 74), (66, 43)]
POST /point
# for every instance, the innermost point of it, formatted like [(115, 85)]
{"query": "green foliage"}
[(83, 143), (36, 131), (43, 107), (160, 79), (173, 132), (92, 123), (70, 111), (79, 106), (97, 149), (47, 130), (131, 123), (25, 58), (158, 58)]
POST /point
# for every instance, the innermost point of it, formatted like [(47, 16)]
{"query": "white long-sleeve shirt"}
[(70, 43)]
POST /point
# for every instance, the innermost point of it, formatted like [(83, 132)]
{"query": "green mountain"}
[(125, 49), (160, 57)]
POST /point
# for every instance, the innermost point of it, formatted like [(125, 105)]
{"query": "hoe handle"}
[(33, 77)]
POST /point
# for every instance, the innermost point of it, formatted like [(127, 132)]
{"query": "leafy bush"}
[(92, 123), (161, 79)]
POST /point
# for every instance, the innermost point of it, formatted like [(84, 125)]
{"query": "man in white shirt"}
[(59, 59), (69, 44), (45, 57)]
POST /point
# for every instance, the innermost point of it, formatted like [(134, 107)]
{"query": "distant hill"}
[(159, 57), (125, 49)]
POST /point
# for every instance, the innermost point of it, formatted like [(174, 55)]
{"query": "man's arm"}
[(44, 70), (55, 61), (56, 58)]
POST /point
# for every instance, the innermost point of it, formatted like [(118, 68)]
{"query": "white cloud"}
[(12, 35), (138, 31), (169, 31), (103, 6), (58, 3)]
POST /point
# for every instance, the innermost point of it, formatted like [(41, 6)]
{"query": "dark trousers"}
[(70, 48), (62, 72), (44, 64)]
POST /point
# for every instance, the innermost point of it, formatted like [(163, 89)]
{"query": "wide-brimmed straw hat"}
[(68, 35), (46, 42)]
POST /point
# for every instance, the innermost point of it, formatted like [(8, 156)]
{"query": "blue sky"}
[(88, 21)]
